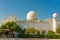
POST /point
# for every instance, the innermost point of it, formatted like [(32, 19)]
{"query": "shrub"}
[(42, 35), (58, 29), (51, 34), (58, 36)]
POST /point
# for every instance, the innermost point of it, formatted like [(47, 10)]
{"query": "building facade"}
[(32, 21)]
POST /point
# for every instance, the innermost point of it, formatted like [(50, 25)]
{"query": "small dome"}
[(55, 15), (31, 15)]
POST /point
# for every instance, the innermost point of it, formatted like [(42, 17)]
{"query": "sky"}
[(19, 8)]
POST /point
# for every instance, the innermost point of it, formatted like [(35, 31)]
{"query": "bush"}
[(51, 34), (58, 29), (58, 36), (43, 34), (33, 33)]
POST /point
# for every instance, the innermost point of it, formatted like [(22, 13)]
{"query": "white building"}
[(32, 21), (9, 19)]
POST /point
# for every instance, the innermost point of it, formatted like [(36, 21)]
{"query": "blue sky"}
[(19, 8)]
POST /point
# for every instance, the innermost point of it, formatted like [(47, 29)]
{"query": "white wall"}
[(40, 26)]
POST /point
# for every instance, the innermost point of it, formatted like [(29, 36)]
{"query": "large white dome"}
[(31, 15)]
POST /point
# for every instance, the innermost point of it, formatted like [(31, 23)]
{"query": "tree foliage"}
[(51, 34), (10, 25), (31, 31), (58, 29)]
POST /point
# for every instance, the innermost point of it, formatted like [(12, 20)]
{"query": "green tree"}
[(32, 32), (21, 33), (58, 36), (14, 27), (58, 29), (10, 25), (43, 34), (51, 34), (1, 29)]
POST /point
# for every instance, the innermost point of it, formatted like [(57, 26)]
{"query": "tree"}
[(58, 36), (1, 29), (58, 29), (10, 25), (51, 34), (32, 32), (21, 33), (43, 34), (13, 26)]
